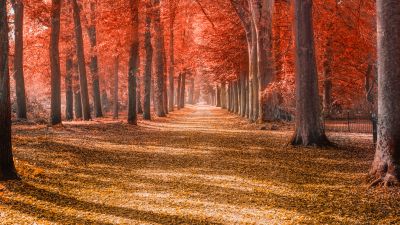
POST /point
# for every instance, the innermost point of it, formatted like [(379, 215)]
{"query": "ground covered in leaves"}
[(201, 165)]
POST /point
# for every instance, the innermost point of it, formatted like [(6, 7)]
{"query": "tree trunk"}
[(309, 129), (243, 94), (116, 85), (94, 68), (77, 92), (55, 117), (81, 62), (7, 168), (262, 16), (148, 66), (159, 59), (327, 76), (139, 96), (218, 96), (133, 63), (183, 91), (386, 164), (223, 95), (69, 95), (171, 59), (18, 7), (178, 94)]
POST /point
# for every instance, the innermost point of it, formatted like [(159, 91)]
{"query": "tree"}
[(148, 64), (116, 85), (7, 168), (18, 7), (386, 165), (133, 62), (69, 96), (55, 63), (94, 64), (309, 129), (172, 16), (81, 61), (159, 58)]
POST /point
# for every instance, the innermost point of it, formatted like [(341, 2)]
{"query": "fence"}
[(352, 122)]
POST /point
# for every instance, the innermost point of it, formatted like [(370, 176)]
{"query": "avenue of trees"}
[(85, 59)]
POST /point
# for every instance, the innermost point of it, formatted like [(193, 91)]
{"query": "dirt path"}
[(201, 165)]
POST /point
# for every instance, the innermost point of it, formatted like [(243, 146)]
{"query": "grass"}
[(201, 165)]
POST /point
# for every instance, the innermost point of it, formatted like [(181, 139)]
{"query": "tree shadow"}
[(61, 200)]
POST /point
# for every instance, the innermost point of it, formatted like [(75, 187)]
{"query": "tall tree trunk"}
[(18, 7), (69, 95), (178, 93), (55, 117), (223, 94), (171, 57), (309, 129), (183, 90), (159, 59), (7, 168), (139, 96), (255, 101), (77, 92), (191, 95), (94, 67), (81, 62), (327, 76), (386, 164), (148, 66), (218, 96), (262, 17), (133, 62), (243, 93), (116, 88)]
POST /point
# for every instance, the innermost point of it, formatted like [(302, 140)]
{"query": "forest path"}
[(201, 165)]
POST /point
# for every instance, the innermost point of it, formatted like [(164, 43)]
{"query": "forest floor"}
[(201, 165)]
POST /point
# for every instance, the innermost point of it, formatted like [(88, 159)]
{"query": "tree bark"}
[(243, 93), (139, 96), (262, 17), (178, 94), (159, 59), (77, 92), (55, 117), (7, 168), (18, 7), (183, 90), (386, 165), (171, 57), (309, 129), (69, 95), (94, 67), (327, 77), (148, 66), (116, 88), (223, 95), (218, 96), (133, 63), (81, 62)]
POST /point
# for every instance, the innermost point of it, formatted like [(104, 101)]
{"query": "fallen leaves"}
[(201, 165)]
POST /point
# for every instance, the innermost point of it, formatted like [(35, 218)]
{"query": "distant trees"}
[(7, 168), (386, 165)]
